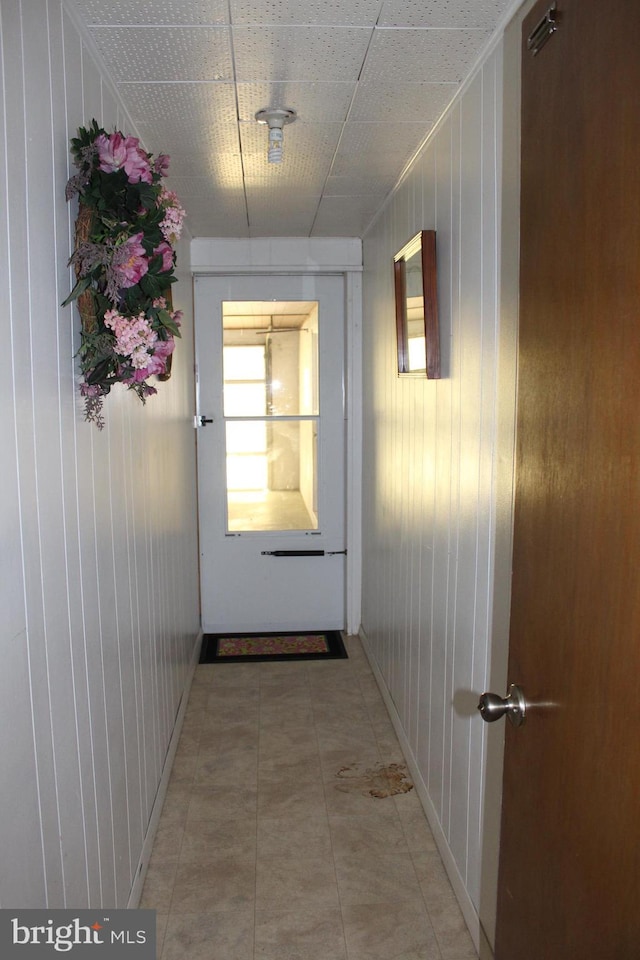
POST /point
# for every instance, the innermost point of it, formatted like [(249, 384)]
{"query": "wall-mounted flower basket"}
[(127, 228)]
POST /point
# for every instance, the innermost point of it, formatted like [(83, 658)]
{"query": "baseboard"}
[(469, 912), (147, 846)]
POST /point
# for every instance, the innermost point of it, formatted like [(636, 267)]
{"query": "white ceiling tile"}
[(190, 103), (367, 79), (114, 12), (396, 101), (174, 139), (315, 102), (355, 185), (306, 176), (226, 218), (299, 53), (337, 215), (467, 14), (423, 55), (162, 53), (381, 139), (201, 187), (354, 13), (224, 170), (300, 141)]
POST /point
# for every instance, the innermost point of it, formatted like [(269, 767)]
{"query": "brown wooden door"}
[(570, 848)]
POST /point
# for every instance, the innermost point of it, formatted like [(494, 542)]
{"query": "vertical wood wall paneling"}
[(429, 464), (100, 597)]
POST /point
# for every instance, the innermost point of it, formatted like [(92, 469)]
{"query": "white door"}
[(271, 474)]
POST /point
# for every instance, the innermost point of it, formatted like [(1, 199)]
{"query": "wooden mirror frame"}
[(425, 243)]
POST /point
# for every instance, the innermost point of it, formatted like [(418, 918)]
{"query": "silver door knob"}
[(492, 707)]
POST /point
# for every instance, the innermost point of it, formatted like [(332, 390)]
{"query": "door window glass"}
[(271, 409)]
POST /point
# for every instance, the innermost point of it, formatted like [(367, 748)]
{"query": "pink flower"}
[(117, 153), (136, 165), (130, 262), (161, 166), (158, 360), (112, 152), (165, 251)]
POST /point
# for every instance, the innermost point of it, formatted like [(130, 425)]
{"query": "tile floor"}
[(261, 855)]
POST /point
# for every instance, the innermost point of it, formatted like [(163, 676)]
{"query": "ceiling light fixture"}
[(275, 120)]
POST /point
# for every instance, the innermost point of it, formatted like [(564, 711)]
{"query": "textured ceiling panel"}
[(282, 220), (317, 102), (164, 53), (222, 219), (114, 12), (339, 215), (194, 104), (355, 185), (223, 169), (300, 176), (381, 139), (367, 78), (418, 102), (299, 53), (354, 13), (195, 140), (435, 56), (302, 141), (467, 14)]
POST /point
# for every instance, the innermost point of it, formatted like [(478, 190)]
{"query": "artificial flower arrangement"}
[(127, 228)]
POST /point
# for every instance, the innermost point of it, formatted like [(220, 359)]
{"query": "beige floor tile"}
[(168, 839), (158, 885), (315, 934), (450, 928), (431, 874), (381, 931), (340, 712), (379, 835), (295, 883), (219, 801), (219, 839), (286, 767), (294, 836), (286, 716), (282, 798), (161, 927), (213, 885), (256, 824), (176, 801), (367, 879), (350, 796), (238, 767), (335, 759), (210, 935), (279, 741)]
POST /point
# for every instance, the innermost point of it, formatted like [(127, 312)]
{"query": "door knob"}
[(492, 707)]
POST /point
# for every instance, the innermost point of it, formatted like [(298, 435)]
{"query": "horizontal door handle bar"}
[(302, 553), (293, 553)]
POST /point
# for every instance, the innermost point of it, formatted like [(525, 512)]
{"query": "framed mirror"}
[(416, 295)]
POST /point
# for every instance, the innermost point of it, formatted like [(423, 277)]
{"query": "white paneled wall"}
[(430, 464), (98, 561)]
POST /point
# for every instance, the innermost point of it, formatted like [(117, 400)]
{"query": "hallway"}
[(263, 852)]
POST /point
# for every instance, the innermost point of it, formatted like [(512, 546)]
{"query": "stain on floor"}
[(379, 781)]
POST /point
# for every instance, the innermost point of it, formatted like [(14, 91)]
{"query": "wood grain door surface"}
[(570, 849)]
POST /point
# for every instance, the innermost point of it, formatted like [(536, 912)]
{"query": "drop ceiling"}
[(367, 79)]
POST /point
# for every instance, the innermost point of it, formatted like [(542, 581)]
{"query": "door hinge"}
[(543, 30)]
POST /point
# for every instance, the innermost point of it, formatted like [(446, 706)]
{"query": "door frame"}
[(268, 256)]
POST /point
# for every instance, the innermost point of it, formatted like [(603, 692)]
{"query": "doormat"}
[(259, 647)]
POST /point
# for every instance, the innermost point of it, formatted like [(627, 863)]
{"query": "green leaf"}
[(82, 284)]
